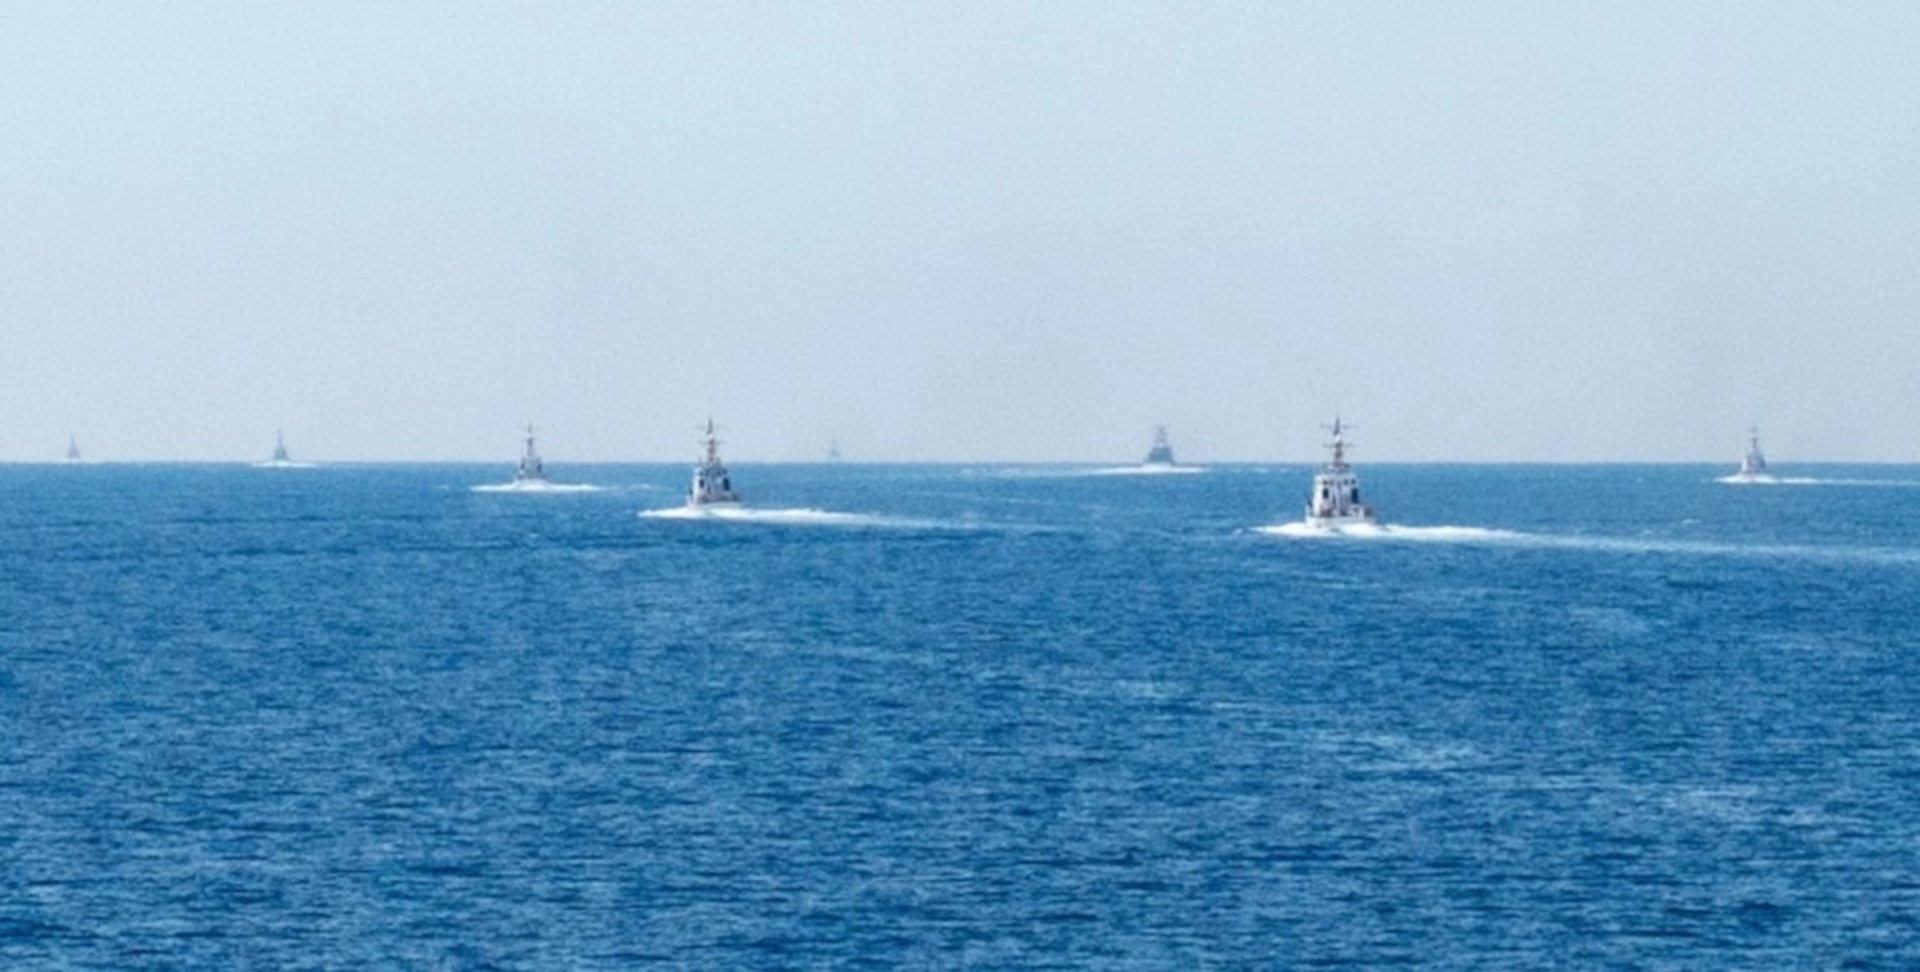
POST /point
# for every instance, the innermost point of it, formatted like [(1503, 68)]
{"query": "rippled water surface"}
[(948, 716)]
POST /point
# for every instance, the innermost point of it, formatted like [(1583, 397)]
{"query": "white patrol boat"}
[(711, 482), (1335, 501)]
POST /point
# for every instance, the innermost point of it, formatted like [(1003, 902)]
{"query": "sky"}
[(970, 231)]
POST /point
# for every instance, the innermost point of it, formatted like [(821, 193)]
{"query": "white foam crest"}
[(1149, 470), (1771, 480), (1890, 483), (1715, 548), (1023, 472), (799, 516), (1603, 544), (536, 488), (1302, 530), (1623, 545)]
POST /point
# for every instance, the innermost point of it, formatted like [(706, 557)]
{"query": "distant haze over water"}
[(977, 232)]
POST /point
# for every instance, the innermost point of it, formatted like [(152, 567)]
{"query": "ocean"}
[(957, 716)]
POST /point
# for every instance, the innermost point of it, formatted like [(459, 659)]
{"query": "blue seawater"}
[(1617, 716)]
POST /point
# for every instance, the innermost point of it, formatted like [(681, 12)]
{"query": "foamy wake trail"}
[(786, 517), (544, 488), (1391, 531), (1717, 548), (1815, 481), (1147, 471), (1024, 472), (1621, 545)]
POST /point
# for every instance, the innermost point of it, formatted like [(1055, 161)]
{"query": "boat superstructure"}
[(1162, 453), (531, 470), (711, 482), (1335, 500)]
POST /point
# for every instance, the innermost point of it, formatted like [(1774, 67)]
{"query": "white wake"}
[(800, 516), (1606, 544), (1301, 530), (536, 488), (1770, 480), (1147, 471)]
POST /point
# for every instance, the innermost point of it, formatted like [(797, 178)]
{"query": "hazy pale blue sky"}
[(967, 231)]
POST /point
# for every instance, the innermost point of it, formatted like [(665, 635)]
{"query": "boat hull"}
[(1338, 522)]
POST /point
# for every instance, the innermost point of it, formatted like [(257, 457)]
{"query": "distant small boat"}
[(1335, 500), (1159, 460), (73, 450), (530, 476), (1162, 453), (1753, 465), (280, 458), (531, 470), (712, 484)]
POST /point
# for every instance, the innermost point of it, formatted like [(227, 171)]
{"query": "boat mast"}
[(712, 442), (1339, 447)]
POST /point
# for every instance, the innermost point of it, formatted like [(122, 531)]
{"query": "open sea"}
[(957, 716)]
